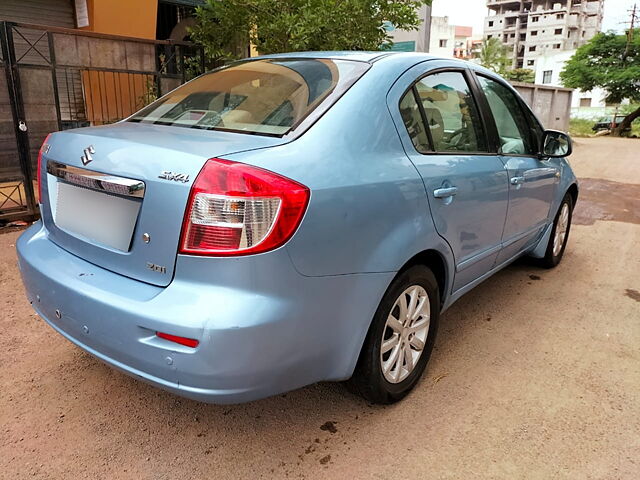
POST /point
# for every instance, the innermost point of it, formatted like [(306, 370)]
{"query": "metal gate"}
[(57, 78)]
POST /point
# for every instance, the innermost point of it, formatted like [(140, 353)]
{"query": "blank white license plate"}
[(99, 217)]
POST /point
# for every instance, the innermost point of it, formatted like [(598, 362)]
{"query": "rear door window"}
[(451, 113), (410, 112), (269, 97)]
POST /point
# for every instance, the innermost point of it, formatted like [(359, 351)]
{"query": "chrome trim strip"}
[(81, 177), (466, 263), (522, 235)]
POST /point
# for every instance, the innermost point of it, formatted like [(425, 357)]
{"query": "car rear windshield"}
[(268, 97)]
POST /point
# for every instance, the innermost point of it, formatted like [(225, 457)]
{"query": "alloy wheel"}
[(561, 229), (405, 334)]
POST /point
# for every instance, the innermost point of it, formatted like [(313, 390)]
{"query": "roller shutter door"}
[(56, 13)]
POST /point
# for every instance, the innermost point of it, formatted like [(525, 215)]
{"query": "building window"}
[(489, 36), (557, 31), (546, 76), (557, 45), (491, 23), (530, 63), (560, 16), (513, 35), (569, 34), (534, 33), (534, 19), (532, 48), (443, 43), (585, 102), (523, 36)]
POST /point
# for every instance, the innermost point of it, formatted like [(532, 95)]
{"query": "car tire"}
[(559, 234), (413, 300)]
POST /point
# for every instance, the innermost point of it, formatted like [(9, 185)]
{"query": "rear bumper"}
[(263, 328)]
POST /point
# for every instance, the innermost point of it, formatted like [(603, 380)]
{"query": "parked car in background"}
[(609, 122), (290, 219)]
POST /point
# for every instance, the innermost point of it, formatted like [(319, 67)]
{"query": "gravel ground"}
[(535, 374)]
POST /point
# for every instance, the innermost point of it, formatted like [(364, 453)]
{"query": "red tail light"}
[(44, 146), (238, 209), (187, 342)]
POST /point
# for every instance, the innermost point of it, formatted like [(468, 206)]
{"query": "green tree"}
[(611, 62), (493, 55), (226, 27), (520, 75)]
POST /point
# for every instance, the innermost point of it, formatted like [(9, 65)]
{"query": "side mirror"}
[(556, 144)]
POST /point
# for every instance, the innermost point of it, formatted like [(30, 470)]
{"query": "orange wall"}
[(112, 96), (130, 18)]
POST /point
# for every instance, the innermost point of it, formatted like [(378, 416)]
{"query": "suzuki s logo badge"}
[(87, 158), (176, 177)]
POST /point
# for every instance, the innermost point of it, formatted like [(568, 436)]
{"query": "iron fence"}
[(57, 78)]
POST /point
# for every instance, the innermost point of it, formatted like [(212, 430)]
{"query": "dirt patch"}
[(607, 200), (11, 228), (634, 294), (329, 427), (608, 158)]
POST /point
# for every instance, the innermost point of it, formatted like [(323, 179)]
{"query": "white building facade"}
[(443, 37), (583, 104)]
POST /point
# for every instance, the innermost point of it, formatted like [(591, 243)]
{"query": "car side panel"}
[(567, 179), (472, 221), (529, 202), (367, 208)]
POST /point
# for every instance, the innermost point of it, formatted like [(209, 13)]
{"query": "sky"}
[(472, 12)]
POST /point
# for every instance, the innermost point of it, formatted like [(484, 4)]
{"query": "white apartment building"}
[(535, 28), (443, 37)]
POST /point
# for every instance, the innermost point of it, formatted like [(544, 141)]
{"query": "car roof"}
[(361, 56), (400, 60), (346, 55)]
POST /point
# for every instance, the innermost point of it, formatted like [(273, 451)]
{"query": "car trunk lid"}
[(116, 195)]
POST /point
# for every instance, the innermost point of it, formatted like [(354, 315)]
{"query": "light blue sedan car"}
[(290, 219)]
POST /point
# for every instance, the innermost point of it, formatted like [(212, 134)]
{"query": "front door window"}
[(513, 128)]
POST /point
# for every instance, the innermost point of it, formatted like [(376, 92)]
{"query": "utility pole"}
[(634, 18)]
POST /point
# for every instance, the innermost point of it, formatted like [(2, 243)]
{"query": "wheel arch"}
[(573, 191), (431, 258), (437, 263)]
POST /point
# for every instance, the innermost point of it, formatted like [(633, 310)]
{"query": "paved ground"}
[(536, 374)]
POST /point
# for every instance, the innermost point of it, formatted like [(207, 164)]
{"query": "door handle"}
[(445, 192), (517, 180)]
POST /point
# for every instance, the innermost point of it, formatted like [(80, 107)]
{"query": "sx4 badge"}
[(176, 177)]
